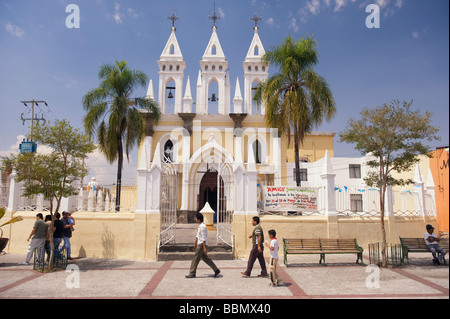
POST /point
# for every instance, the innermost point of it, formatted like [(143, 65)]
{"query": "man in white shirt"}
[(432, 242), (200, 249)]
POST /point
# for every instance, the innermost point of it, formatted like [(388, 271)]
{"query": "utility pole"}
[(32, 119)]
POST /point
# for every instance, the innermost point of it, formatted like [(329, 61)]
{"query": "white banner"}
[(285, 198)]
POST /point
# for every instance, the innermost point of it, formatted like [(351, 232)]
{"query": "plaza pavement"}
[(306, 279)]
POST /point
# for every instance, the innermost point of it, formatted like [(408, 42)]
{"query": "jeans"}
[(56, 243), (435, 248), (66, 245)]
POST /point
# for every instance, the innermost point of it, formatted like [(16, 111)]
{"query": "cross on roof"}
[(214, 17), (255, 19), (173, 18)]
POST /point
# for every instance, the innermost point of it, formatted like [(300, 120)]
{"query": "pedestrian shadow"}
[(101, 263)]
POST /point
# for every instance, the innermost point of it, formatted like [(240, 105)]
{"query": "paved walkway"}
[(341, 278)]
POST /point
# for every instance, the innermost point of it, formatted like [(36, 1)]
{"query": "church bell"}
[(213, 98)]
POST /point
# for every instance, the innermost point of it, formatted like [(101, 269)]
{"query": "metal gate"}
[(169, 200), (225, 204)]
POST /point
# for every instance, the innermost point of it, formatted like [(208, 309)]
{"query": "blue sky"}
[(406, 58)]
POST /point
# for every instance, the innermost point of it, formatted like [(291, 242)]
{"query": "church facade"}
[(208, 139)]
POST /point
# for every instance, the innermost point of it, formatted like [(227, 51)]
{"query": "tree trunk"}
[(297, 156), (383, 229), (52, 245), (119, 175)]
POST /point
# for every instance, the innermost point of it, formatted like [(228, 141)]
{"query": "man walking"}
[(38, 240), (200, 249), (257, 251)]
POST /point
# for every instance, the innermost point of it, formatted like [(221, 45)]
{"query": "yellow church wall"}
[(134, 236)]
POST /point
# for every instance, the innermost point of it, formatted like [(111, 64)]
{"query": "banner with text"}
[(284, 198)]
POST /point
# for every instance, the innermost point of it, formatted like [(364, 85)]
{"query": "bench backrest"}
[(419, 243), (319, 244), (444, 243), (413, 243)]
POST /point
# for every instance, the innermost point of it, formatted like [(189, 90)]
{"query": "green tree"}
[(395, 134), (53, 174), (297, 98), (125, 125)]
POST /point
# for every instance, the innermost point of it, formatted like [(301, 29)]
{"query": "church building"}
[(206, 139)]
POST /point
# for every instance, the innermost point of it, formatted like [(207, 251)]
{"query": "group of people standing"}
[(257, 252), (39, 237)]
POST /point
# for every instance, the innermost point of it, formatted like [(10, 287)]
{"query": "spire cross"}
[(255, 19), (214, 17), (173, 18)]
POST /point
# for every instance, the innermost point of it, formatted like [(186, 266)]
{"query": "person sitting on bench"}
[(432, 242)]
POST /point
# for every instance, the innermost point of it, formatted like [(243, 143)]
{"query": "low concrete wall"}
[(135, 236)]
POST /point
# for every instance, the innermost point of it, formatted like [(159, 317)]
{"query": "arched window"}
[(257, 151), (172, 49), (168, 152), (256, 50), (213, 50)]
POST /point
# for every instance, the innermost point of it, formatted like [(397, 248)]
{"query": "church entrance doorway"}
[(208, 191)]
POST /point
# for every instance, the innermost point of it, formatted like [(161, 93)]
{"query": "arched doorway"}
[(208, 191)]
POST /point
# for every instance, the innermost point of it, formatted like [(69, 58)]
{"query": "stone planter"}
[(208, 216)]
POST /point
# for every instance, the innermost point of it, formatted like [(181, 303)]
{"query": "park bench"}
[(417, 245), (322, 247)]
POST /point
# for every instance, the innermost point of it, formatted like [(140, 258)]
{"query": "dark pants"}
[(199, 255), (255, 254)]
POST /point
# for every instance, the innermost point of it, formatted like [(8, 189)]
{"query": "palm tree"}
[(296, 98), (125, 125)]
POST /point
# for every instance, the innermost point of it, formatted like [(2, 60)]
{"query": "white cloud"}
[(293, 25), (14, 149), (132, 13), (339, 5), (14, 30), (399, 4), (67, 81), (382, 3), (271, 22), (313, 6), (419, 34), (221, 13), (106, 172), (117, 16)]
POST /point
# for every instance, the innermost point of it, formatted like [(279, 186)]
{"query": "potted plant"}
[(4, 241)]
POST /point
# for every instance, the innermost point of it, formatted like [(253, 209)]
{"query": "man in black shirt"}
[(58, 233)]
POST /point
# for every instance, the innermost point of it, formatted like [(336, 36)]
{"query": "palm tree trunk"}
[(119, 174), (297, 156)]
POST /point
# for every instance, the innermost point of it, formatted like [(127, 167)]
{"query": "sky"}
[(406, 58)]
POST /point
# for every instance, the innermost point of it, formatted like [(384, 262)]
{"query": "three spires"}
[(214, 67)]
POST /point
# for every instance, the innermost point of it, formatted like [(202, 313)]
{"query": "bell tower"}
[(255, 70), (171, 70), (213, 68)]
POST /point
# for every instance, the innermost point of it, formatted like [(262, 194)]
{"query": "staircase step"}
[(215, 255), (190, 248)]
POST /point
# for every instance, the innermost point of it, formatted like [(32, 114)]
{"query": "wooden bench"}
[(322, 247), (417, 245)]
